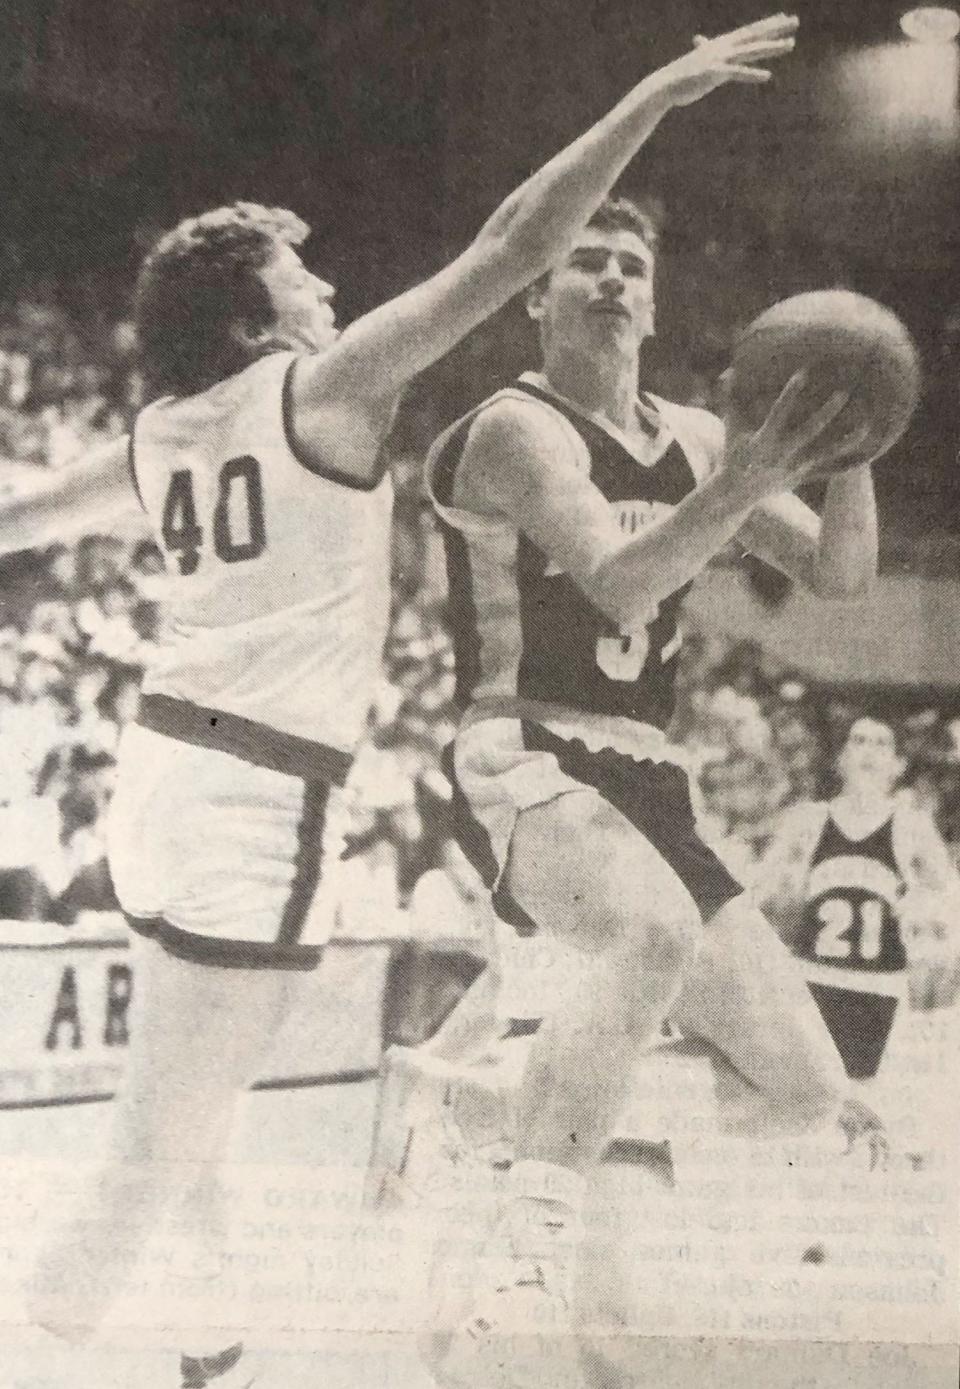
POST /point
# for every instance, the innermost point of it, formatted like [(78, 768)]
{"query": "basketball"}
[(844, 342)]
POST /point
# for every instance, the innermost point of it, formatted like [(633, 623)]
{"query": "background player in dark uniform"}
[(575, 513), (845, 882)]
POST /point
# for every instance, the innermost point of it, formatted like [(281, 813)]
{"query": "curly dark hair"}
[(198, 281)]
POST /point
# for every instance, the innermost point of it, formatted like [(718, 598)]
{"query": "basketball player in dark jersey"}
[(575, 514), (845, 880)]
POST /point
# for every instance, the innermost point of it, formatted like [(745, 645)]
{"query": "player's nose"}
[(612, 279)]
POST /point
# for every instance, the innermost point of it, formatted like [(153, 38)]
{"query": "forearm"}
[(629, 584), (31, 522), (61, 505), (537, 219), (846, 560)]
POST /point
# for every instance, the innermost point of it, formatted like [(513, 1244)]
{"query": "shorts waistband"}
[(886, 983), (246, 739), (641, 741)]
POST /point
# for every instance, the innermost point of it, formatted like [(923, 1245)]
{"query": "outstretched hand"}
[(733, 57)]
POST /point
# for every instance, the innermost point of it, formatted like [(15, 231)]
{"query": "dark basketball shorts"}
[(502, 766), (864, 1010)]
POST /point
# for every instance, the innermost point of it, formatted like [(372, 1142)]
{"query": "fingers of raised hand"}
[(853, 441), (754, 43), (731, 73), (757, 52), (789, 403), (774, 26), (807, 433)]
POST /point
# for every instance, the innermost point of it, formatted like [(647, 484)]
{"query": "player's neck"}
[(602, 384), (865, 802)]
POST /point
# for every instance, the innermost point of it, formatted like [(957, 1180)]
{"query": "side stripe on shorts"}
[(308, 862)]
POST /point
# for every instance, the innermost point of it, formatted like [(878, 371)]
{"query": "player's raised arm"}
[(380, 353), (56, 506)]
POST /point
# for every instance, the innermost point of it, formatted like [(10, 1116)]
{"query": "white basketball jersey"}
[(277, 589)]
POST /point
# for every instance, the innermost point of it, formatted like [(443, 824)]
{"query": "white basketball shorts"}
[(220, 859)]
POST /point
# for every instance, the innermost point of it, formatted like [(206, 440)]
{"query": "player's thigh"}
[(746, 995), (579, 869), (200, 1036)]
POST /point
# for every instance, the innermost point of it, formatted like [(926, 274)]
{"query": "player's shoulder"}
[(803, 818), (511, 431), (530, 423)]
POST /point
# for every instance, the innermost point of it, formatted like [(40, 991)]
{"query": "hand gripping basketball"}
[(841, 342), (789, 444)]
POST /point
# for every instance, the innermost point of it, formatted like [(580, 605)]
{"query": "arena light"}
[(899, 99), (931, 24)]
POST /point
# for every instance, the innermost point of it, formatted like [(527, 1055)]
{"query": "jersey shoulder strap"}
[(446, 451), (804, 825)]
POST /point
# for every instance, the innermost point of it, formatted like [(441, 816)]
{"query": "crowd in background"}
[(77, 624)]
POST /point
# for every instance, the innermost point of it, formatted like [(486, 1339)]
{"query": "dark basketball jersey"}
[(850, 919), (522, 628)]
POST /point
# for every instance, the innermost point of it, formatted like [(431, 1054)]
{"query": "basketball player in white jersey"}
[(259, 465), (575, 513), (845, 880)]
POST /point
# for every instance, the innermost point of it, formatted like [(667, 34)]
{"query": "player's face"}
[(302, 302), (870, 755), (601, 296)]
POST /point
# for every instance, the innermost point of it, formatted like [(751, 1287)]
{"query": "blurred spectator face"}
[(99, 562), (601, 296), (124, 339), (63, 567), (9, 668), (89, 686), (953, 728), (54, 619), (869, 758), (750, 733), (126, 702), (114, 602), (37, 678)]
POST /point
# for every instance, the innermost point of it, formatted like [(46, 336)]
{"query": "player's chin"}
[(619, 328)]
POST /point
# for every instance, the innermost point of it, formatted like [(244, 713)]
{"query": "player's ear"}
[(535, 298), (246, 336)]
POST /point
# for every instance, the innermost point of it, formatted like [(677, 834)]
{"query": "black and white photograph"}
[(479, 694)]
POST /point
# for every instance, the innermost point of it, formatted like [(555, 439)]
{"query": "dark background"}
[(395, 126)]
